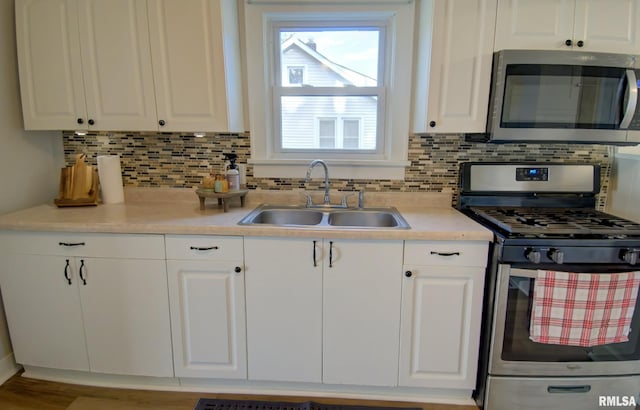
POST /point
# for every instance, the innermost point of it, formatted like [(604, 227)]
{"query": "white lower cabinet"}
[(361, 312), (206, 293), (284, 309), (332, 311), (73, 302), (323, 310), (441, 312)]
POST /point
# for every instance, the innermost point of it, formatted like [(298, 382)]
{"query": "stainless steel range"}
[(544, 219)]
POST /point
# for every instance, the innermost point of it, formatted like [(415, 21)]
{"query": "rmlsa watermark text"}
[(617, 401)]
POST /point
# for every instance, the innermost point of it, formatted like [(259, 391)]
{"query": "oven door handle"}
[(585, 388), (524, 273)]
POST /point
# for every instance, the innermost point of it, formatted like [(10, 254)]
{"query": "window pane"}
[(351, 128), (327, 132), (333, 57), (305, 119), (295, 75), (327, 127)]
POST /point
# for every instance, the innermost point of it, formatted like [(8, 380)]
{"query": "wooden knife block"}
[(78, 185)]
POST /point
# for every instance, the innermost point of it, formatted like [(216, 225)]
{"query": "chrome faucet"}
[(326, 180)]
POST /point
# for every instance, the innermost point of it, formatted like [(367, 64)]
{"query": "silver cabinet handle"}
[(66, 272), (82, 273), (71, 243), (445, 253), (315, 262), (331, 254), (206, 248)]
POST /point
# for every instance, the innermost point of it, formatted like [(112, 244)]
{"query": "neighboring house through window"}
[(341, 133), (340, 85)]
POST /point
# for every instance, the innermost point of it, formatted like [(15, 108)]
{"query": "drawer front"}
[(204, 247), (447, 253), (99, 245), (588, 393)]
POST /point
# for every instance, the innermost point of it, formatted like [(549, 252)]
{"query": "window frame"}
[(391, 161), (377, 93)]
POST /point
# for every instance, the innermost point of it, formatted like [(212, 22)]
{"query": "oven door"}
[(513, 353)]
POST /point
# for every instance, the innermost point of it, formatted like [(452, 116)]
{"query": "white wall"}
[(29, 161)]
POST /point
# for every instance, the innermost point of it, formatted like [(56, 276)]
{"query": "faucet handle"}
[(344, 199), (309, 201)]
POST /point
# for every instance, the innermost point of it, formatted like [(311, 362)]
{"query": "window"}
[(338, 133), (330, 81), (295, 75), (351, 133), (344, 61), (326, 133)]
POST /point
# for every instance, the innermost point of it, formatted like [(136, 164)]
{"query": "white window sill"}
[(343, 169)]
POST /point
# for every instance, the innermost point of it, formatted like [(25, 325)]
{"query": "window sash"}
[(279, 90)]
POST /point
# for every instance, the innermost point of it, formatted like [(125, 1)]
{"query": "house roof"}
[(350, 76)]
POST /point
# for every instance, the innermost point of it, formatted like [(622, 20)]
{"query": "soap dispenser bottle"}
[(231, 172)]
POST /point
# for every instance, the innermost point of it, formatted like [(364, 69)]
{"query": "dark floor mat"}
[(215, 404)]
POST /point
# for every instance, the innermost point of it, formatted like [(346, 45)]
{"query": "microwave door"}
[(561, 101), (630, 100)]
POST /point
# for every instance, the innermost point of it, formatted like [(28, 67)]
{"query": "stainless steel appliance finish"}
[(325, 218), (531, 178), (537, 226), (568, 96)]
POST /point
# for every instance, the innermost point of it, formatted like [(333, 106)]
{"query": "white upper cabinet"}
[(455, 50), (49, 55), (85, 64), (590, 25), (196, 65)]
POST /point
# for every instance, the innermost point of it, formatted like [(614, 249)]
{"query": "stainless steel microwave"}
[(564, 96)]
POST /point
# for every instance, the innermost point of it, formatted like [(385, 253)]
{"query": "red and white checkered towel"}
[(583, 309)]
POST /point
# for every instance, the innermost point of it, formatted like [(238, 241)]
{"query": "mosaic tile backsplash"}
[(181, 161)]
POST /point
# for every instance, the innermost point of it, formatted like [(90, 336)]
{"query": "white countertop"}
[(177, 211)]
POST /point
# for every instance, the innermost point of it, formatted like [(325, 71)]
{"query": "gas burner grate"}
[(569, 222)]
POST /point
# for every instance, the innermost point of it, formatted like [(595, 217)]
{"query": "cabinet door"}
[(284, 309), (460, 69), (116, 64), (49, 64), (195, 51), (534, 24), (361, 312), (208, 318), (441, 313), (43, 311), (608, 26), (126, 316)]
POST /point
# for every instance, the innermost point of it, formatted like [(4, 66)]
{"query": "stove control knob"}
[(630, 256), (532, 255), (556, 255)]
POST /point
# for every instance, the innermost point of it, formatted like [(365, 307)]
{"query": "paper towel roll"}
[(110, 175)]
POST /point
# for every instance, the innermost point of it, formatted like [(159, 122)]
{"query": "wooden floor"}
[(23, 393)]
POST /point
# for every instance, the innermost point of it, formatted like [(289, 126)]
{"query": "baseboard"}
[(8, 367), (247, 387)]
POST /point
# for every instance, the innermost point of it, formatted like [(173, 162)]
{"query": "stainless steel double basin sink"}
[(339, 218)]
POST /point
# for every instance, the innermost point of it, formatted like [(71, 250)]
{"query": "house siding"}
[(299, 119)]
